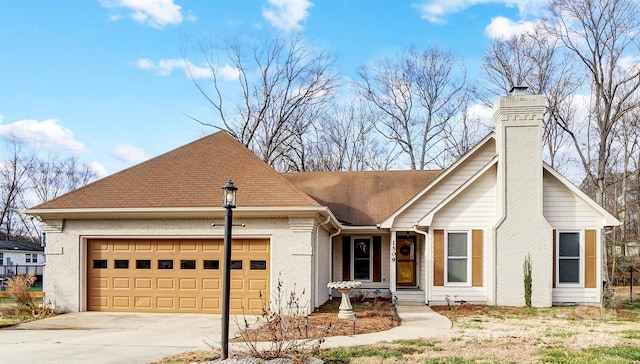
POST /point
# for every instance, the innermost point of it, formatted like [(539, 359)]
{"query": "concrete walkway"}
[(104, 338)]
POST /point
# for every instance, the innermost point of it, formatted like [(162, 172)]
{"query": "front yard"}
[(485, 334)]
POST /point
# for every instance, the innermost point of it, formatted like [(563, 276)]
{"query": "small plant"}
[(283, 320), (526, 268), (18, 288)]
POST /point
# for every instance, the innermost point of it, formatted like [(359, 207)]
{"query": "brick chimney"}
[(522, 229)]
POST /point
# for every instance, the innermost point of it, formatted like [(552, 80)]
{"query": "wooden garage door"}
[(152, 275)]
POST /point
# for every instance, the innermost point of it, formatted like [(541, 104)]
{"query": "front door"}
[(406, 263)]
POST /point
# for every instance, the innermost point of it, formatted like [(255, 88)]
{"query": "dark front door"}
[(406, 263)]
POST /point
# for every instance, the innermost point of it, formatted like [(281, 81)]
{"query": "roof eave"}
[(180, 212)]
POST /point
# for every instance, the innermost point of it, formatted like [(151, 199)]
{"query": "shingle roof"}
[(362, 198), (20, 246), (189, 176)]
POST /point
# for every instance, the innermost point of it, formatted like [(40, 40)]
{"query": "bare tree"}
[(533, 59), (53, 176), (417, 93), (14, 182), (600, 34), (284, 86), (344, 140)]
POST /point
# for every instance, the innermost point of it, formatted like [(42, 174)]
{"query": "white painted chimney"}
[(523, 229)]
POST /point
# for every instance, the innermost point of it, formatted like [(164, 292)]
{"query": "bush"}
[(526, 268)]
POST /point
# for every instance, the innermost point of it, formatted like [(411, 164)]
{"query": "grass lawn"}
[(486, 334)]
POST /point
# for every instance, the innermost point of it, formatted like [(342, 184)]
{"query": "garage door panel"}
[(210, 284), (188, 284), (122, 302), (166, 303), (165, 283), (128, 275), (188, 303), (121, 283), (143, 302), (142, 283)]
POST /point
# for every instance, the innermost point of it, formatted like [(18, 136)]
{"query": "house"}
[(142, 239), (21, 258)]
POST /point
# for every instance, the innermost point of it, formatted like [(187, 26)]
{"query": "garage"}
[(175, 275)]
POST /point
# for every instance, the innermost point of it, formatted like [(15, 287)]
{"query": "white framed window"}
[(458, 262), (34, 258), (362, 262), (569, 248), (1, 258), (28, 258)]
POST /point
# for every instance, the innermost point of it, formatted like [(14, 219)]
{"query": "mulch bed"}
[(372, 315)]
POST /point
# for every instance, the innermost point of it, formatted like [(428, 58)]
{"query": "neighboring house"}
[(21, 258), (142, 240)]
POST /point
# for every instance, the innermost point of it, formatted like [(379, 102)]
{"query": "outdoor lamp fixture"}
[(228, 202)]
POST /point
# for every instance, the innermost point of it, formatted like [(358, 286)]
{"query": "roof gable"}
[(189, 176)]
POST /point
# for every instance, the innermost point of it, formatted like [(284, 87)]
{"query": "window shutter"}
[(377, 260), (476, 258), (590, 259), (554, 258), (438, 257), (346, 258)]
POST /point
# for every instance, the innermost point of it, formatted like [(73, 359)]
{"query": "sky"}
[(105, 80)]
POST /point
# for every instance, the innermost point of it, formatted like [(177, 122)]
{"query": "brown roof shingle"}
[(189, 176), (362, 198)]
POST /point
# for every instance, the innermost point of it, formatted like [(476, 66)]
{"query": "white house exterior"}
[(142, 240)]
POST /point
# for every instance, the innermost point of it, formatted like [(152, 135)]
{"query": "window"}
[(143, 264), (236, 264), (211, 264), (99, 264), (258, 265), (121, 264), (569, 258), (187, 264), (28, 258), (1, 258), (165, 264), (457, 253), (34, 258), (362, 259)]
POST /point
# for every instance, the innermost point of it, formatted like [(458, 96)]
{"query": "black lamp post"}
[(228, 202)]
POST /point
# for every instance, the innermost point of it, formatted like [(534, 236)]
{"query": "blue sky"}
[(104, 79)]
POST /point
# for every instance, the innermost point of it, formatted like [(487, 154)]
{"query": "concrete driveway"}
[(101, 337)]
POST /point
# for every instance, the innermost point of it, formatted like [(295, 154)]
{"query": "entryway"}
[(406, 262)]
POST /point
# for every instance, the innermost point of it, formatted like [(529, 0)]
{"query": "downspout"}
[(331, 256), (315, 273), (427, 286)]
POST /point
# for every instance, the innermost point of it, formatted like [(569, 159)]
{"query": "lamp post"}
[(228, 202)]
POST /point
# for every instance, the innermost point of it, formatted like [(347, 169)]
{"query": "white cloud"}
[(155, 13), (436, 11), (164, 67), (46, 133), (98, 169), (129, 153), (503, 28), (287, 14)]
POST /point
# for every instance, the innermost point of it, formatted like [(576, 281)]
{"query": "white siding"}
[(439, 295), (450, 183), (563, 210), (474, 207), (582, 296)]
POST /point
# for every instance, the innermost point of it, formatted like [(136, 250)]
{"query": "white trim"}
[(581, 260), (353, 257), (427, 219), (446, 259), (388, 222), (607, 218)]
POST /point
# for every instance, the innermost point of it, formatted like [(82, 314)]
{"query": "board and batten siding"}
[(444, 188)]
